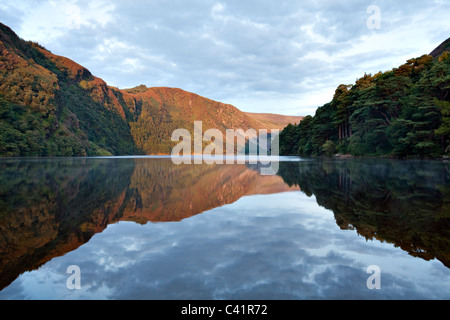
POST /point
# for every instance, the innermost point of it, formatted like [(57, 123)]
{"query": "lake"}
[(144, 228)]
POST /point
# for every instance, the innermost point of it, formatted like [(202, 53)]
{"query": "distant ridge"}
[(275, 121)]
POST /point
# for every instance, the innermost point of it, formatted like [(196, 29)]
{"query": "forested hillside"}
[(52, 106), (402, 112)]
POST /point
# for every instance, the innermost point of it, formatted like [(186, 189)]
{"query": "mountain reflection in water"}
[(52, 206), (49, 207)]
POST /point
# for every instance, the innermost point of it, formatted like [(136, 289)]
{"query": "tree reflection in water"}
[(49, 207), (406, 203)]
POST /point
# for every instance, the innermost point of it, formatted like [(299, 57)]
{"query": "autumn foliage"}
[(52, 106)]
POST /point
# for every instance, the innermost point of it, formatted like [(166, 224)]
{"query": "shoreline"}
[(335, 157), (349, 156)]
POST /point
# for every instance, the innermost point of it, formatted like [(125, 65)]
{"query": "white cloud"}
[(47, 21), (217, 9), (262, 56)]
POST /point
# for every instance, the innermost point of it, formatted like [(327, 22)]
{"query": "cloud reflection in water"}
[(246, 250)]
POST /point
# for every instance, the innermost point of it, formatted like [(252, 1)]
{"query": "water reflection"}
[(52, 206), (406, 203), (269, 244)]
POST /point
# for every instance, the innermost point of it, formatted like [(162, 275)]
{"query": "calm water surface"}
[(143, 228)]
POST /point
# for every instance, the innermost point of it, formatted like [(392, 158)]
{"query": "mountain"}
[(444, 46), (403, 112), (52, 106), (158, 112), (275, 121)]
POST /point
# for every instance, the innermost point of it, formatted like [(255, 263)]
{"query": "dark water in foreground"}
[(143, 228)]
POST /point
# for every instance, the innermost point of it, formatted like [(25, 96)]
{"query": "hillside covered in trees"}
[(52, 106), (404, 112)]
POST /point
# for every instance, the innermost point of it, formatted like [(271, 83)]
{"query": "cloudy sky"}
[(280, 56)]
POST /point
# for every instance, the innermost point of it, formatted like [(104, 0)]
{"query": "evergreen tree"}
[(402, 112)]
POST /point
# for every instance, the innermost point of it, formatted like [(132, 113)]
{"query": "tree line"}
[(403, 112)]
